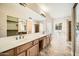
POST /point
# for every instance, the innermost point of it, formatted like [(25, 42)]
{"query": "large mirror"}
[(16, 26)]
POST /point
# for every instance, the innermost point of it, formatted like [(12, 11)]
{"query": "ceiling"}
[(54, 10), (57, 9)]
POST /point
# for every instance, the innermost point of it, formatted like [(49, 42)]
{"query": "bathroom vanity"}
[(30, 45)]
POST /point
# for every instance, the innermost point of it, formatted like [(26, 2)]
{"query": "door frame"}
[(74, 29)]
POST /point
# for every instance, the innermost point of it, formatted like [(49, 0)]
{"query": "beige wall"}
[(61, 36), (3, 24)]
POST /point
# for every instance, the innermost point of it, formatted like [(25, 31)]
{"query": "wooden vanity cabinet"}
[(44, 42), (23, 47), (10, 52), (48, 40), (33, 51), (29, 49), (35, 41)]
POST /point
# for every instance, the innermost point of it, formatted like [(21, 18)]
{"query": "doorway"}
[(36, 28), (74, 40), (69, 30)]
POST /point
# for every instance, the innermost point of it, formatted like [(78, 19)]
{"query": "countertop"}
[(7, 43)]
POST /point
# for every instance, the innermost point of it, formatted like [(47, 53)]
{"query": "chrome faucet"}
[(20, 36)]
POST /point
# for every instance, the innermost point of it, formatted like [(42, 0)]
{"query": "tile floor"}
[(54, 50)]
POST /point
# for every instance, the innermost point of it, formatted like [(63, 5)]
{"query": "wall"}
[(60, 37), (3, 25), (49, 24)]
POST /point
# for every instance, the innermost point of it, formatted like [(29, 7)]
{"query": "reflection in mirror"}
[(15, 26), (12, 26), (36, 28), (18, 26), (22, 26), (29, 26)]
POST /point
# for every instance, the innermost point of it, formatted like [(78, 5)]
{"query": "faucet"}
[(20, 36)]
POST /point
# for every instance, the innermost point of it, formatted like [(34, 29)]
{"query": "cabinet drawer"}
[(45, 37), (41, 38), (9, 52), (35, 42), (23, 47)]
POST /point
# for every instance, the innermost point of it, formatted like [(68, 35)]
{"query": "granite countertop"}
[(7, 43)]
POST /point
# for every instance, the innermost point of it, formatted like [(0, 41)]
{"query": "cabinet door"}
[(9, 53), (44, 42), (48, 40), (22, 54), (33, 51)]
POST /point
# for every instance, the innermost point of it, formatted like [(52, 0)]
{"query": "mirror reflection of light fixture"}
[(23, 4), (43, 15)]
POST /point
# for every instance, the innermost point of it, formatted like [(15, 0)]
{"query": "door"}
[(69, 30), (36, 28), (29, 26)]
